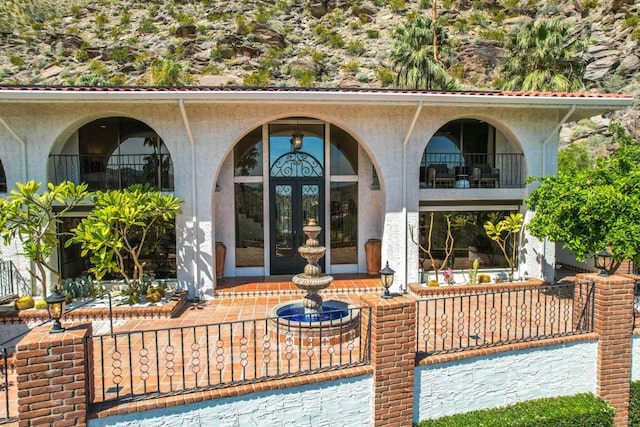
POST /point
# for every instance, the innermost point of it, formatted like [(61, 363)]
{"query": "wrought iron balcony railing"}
[(472, 170), (114, 171)]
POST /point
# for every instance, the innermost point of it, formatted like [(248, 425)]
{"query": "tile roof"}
[(239, 89)]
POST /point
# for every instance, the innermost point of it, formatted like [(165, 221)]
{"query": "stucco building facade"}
[(364, 168)]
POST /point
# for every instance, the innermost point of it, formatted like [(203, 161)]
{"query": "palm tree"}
[(544, 57), (413, 57)]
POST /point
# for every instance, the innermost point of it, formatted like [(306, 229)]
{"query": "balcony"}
[(472, 170), (112, 172)]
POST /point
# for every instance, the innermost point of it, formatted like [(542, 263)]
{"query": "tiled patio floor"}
[(201, 355), (236, 299)]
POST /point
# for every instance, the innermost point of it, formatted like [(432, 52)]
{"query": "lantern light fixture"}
[(55, 305), (602, 261), (386, 277), (296, 140)]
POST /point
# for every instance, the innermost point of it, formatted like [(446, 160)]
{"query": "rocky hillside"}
[(322, 43)]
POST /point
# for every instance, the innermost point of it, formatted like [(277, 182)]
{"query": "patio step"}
[(270, 286)]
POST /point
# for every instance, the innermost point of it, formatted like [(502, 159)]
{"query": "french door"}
[(293, 202)]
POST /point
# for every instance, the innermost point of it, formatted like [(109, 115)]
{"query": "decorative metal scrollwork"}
[(296, 165)]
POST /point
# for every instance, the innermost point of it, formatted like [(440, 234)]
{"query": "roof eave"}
[(581, 101)]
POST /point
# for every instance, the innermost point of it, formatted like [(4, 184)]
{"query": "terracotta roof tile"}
[(208, 89)]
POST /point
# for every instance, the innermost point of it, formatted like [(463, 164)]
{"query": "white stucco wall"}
[(635, 358), (504, 379), (389, 141), (346, 402)]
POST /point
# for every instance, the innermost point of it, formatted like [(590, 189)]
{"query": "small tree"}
[(33, 219), (117, 228), (592, 209), (452, 222), (505, 234)]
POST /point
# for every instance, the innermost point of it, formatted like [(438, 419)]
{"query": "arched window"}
[(469, 153), (115, 152)]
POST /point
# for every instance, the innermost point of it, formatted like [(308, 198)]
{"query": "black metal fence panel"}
[(8, 388), (472, 170), (142, 364), (12, 284), (457, 323)]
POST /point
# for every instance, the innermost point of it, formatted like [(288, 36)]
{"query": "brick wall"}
[(53, 377), (613, 322), (393, 358)]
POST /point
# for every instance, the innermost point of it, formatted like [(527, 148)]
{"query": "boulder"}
[(233, 45), (318, 8), (630, 64), (266, 35), (599, 68), (221, 80), (186, 31)]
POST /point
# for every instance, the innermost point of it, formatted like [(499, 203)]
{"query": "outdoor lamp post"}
[(55, 304), (386, 277), (602, 261)]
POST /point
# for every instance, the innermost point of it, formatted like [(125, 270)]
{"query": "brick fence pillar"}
[(613, 322), (53, 377), (393, 357)]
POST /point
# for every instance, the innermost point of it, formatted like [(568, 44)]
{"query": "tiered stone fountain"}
[(312, 316)]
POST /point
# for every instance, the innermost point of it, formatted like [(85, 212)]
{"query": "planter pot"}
[(373, 252), (221, 254)]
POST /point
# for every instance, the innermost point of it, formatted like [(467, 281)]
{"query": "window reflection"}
[(247, 154), (470, 240), (344, 153), (249, 225), (344, 222), (3, 179), (117, 152)]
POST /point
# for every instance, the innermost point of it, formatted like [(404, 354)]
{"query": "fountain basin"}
[(336, 322)]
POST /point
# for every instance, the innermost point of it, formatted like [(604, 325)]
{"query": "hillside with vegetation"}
[(318, 43)]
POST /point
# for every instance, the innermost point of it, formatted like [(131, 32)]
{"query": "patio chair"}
[(489, 176), (440, 175)]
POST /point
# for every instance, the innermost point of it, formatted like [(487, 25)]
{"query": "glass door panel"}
[(293, 203)]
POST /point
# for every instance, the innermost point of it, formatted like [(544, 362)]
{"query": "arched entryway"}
[(112, 153), (285, 173)]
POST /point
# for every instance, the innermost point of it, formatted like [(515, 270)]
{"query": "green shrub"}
[(584, 410), (101, 20), (355, 47), (373, 34), (305, 78), (493, 34), (397, 5), (257, 78), (125, 18), (631, 21), (16, 60), (76, 11), (41, 305), (634, 404), (385, 76), (351, 66), (336, 41), (147, 25), (589, 4), (317, 56)]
